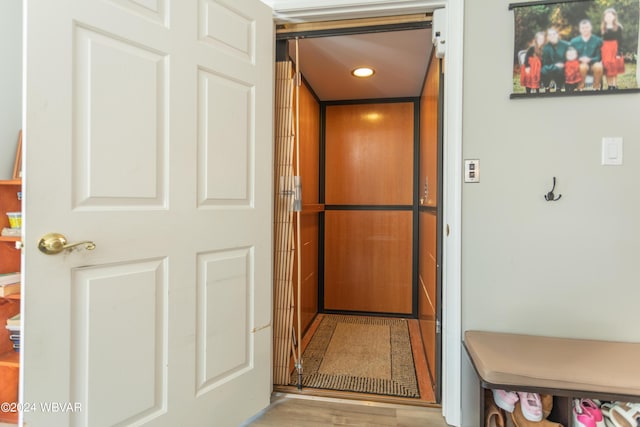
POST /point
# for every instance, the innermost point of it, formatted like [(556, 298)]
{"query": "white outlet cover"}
[(472, 170)]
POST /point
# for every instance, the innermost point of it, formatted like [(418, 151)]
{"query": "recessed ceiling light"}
[(363, 72)]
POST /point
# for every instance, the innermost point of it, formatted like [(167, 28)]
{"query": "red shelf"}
[(10, 261), (11, 359)]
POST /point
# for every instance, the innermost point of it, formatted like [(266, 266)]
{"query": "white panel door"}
[(148, 131)]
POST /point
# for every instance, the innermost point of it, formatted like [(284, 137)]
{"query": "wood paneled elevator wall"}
[(311, 208), (368, 248), (367, 210)]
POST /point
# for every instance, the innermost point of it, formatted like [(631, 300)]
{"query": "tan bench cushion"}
[(558, 363)]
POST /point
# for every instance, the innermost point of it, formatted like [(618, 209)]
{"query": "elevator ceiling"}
[(399, 58)]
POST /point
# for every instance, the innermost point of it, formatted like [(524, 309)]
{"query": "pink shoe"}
[(591, 408), (531, 406), (582, 418), (505, 399)]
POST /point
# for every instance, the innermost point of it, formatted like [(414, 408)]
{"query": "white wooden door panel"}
[(116, 339), (224, 341), (148, 131), (107, 72), (228, 28), (225, 143), (151, 9)]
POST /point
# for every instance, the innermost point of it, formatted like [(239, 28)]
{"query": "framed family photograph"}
[(575, 47)]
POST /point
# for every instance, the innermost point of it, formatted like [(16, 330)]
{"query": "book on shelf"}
[(9, 289), (13, 323), (11, 232), (9, 278), (14, 336), (13, 330)]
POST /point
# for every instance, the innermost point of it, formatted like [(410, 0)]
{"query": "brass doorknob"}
[(54, 243)]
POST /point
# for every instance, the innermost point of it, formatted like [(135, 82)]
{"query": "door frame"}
[(317, 10)]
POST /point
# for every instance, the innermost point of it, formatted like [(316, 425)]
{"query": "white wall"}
[(568, 268), (10, 83), (565, 268)]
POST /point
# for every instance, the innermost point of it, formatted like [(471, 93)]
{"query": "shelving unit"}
[(10, 261)]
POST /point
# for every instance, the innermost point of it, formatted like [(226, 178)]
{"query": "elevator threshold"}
[(364, 397)]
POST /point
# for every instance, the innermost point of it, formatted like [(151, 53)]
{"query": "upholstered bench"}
[(566, 368)]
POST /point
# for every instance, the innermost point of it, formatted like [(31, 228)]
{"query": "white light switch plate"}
[(472, 170), (611, 151)]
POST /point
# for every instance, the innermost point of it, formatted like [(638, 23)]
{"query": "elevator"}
[(371, 219)]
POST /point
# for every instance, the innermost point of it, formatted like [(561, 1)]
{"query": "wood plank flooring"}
[(295, 411)]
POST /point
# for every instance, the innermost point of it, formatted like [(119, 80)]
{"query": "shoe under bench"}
[(567, 368)]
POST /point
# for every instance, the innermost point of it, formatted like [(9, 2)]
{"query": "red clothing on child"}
[(612, 62), (572, 72), (531, 79)]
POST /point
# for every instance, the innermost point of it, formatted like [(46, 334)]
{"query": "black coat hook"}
[(550, 197)]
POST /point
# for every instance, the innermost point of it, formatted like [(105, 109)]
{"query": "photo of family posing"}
[(575, 46)]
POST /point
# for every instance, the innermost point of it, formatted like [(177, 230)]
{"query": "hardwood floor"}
[(297, 411)]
